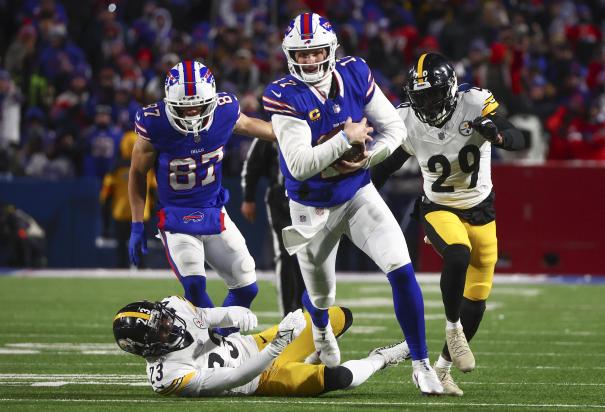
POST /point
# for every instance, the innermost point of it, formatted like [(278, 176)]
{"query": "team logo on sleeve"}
[(314, 115), (465, 128)]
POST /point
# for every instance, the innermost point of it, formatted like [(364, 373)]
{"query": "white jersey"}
[(455, 160), (189, 371)]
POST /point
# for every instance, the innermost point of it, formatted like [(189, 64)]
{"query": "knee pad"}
[(247, 264), (337, 378), (189, 263), (456, 257)]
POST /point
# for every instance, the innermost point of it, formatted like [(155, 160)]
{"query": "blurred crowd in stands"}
[(73, 73)]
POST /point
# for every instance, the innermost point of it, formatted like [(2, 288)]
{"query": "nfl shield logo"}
[(336, 109)]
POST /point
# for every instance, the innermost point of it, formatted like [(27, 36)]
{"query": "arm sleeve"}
[(391, 130), (254, 168), (303, 159), (512, 138), (381, 172), (213, 381)]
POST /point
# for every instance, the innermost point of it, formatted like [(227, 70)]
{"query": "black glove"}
[(486, 128)]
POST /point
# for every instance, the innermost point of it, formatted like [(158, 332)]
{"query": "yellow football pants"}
[(446, 228), (288, 374)]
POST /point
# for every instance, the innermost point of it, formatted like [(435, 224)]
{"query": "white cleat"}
[(425, 378), (461, 354), (326, 347), (392, 354)]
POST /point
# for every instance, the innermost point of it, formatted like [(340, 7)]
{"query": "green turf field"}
[(540, 347)]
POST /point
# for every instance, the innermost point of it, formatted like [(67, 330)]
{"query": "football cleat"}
[(326, 347), (449, 386), (425, 378), (392, 354), (461, 354)]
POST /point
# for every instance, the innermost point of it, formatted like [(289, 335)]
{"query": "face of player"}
[(309, 57), (189, 111)]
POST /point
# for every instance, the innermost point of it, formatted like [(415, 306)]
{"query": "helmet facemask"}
[(324, 67), (434, 104), (191, 124)]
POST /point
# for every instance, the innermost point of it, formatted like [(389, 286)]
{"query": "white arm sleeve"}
[(391, 130), (214, 381), (302, 159)]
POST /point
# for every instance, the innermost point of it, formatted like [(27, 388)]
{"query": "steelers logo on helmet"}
[(432, 88), (190, 96), (309, 32)]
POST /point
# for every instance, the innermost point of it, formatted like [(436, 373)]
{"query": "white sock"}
[(443, 363), (362, 369), (452, 325), (422, 363)]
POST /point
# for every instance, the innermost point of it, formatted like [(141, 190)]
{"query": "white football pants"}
[(367, 221), (226, 253)]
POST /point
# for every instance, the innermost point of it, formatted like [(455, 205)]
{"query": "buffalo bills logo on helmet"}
[(194, 217), (206, 75), (325, 24), (172, 77)]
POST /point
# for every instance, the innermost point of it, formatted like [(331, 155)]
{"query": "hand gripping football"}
[(354, 154)]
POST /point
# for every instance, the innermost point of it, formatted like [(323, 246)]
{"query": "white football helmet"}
[(309, 31), (190, 84)]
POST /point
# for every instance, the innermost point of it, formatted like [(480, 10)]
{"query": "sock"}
[(443, 363), (241, 296), (409, 309), (470, 317), (195, 291), (337, 378), (455, 263), (362, 369), (319, 317), (238, 297), (452, 325)]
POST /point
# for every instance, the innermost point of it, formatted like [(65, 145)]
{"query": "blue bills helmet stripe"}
[(307, 26), (189, 80)]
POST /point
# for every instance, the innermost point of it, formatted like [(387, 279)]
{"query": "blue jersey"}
[(291, 97), (189, 169)]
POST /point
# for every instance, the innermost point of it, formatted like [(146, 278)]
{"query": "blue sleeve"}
[(278, 99), (362, 76), (140, 125), (229, 106)]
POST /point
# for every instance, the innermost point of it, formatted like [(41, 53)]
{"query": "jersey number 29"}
[(466, 166)]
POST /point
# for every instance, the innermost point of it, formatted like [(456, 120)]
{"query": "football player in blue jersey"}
[(320, 115), (183, 138)]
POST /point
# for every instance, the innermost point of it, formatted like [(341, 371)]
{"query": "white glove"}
[(231, 316), (288, 329)]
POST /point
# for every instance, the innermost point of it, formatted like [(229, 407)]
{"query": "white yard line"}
[(337, 402)]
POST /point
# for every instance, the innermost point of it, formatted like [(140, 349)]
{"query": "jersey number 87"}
[(182, 171)]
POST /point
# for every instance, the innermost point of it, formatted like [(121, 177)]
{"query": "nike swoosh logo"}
[(262, 338), (275, 93), (138, 117)]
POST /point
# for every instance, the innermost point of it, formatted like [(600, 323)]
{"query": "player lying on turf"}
[(186, 358)]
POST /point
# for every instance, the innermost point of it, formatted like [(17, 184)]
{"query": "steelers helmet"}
[(150, 329), (432, 89)]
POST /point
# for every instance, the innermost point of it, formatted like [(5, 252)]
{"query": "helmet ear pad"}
[(432, 89)]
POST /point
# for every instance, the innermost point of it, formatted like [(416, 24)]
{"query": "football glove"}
[(486, 128), (137, 241), (288, 329), (240, 317)]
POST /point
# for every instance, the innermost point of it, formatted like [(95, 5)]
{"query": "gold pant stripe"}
[(446, 228), (288, 375)]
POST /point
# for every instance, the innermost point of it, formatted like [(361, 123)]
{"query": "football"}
[(354, 154)]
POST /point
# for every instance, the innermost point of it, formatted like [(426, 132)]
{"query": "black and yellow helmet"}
[(432, 89), (150, 329)]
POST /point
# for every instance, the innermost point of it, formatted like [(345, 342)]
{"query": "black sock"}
[(337, 378), (455, 262), (470, 315)]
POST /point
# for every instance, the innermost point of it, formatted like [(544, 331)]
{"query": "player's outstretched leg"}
[(195, 291), (327, 351), (409, 310)]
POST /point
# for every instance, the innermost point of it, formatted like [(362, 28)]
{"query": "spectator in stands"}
[(101, 144), (10, 111)]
